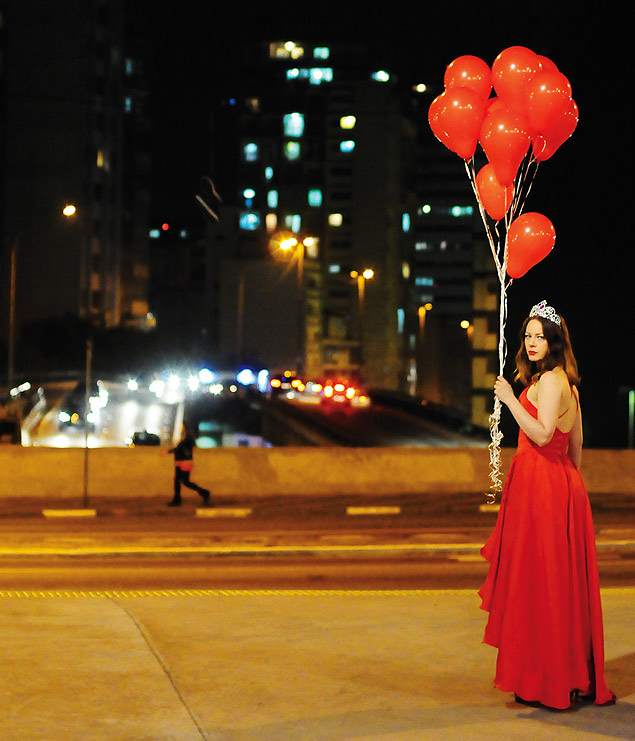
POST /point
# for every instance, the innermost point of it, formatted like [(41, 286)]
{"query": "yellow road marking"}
[(140, 593), (69, 512), (489, 507), (373, 510), (224, 512)]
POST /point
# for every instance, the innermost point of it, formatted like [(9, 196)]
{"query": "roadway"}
[(366, 425), (375, 425), (125, 412), (273, 544)]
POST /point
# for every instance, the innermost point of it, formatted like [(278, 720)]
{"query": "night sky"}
[(584, 189)]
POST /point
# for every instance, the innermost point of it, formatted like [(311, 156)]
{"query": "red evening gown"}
[(542, 589)]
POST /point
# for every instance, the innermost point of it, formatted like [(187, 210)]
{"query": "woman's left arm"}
[(539, 431)]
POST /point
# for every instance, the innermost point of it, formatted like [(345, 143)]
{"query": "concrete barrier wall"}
[(262, 472)]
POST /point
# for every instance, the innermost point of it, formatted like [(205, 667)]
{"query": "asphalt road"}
[(276, 548), (124, 413)]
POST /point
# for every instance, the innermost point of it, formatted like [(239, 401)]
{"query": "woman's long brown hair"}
[(560, 353)]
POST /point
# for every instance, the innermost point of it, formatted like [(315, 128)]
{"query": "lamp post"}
[(12, 277), (361, 276), (70, 211), (287, 246)]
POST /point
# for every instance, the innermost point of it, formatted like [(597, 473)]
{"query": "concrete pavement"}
[(292, 665), (283, 665)]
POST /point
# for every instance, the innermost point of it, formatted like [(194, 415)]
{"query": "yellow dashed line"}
[(138, 593), (373, 510)]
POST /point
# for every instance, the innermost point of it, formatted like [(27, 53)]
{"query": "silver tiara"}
[(546, 312)]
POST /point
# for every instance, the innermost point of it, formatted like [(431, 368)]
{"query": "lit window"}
[(154, 233), (443, 245), (347, 146), (249, 193), (272, 198), (426, 208), (405, 270), (420, 88), (321, 52), (184, 234), (100, 158), (461, 210), (293, 222), (249, 220), (315, 197), (127, 104), (271, 222), (293, 50), (293, 124), (292, 150), (405, 222), (251, 152), (380, 76), (348, 122), (424, 281), (318, 75), (129, 66), (268, 173), (420, 246), (315, 75), (335, 219), (335, 269), (401, 316), (312, 248), (285, 50)]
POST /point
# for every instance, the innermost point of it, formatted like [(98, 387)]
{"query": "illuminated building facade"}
[(325, 151)]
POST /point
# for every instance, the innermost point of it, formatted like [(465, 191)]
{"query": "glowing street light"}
[(69, 210)]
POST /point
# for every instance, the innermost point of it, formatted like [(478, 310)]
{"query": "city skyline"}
[(579, 189)]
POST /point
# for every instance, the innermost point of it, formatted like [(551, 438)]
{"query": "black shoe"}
[(205, 495), (531, 703), (174, 503)]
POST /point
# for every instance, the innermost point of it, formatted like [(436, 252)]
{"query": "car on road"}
[(287, 384), (142, 438), (342, 392)]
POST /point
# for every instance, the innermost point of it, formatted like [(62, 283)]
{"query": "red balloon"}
[(455, 118), (496, 198), (546, 65), (491, 104), (505, 140), (530, 238), (471, 72), (546, 143), (548, 97), (511, 71)]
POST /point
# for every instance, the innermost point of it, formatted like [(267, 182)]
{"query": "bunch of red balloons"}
[(532, 107)]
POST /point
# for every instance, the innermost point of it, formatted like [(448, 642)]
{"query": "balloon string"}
[(498, 246), (494, 244)]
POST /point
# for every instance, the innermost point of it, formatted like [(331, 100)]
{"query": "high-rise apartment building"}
[(324, 159), (74, 162)]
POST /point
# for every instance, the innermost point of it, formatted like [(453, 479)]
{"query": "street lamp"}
[(287, 246), (361, 276)]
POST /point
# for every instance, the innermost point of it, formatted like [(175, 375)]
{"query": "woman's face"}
[(536, 345)]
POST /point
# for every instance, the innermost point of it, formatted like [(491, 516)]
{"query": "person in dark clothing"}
[(183, 464)]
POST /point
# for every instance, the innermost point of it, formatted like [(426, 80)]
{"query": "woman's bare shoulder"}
[(554, 380)]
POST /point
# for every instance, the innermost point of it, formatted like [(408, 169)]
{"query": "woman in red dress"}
[(542, 590)]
